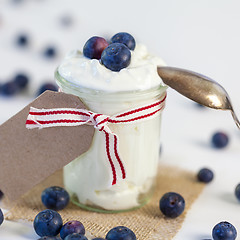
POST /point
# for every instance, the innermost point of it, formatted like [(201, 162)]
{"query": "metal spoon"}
[(198, 88)]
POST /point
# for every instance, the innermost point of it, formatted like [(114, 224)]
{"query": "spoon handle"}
[(235, 119)]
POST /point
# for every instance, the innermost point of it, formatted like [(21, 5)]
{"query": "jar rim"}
[(78, 89)]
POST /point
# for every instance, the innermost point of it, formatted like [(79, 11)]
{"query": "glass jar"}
[(87, 177)]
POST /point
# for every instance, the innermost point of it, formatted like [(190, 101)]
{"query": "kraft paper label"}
[(29, 156)]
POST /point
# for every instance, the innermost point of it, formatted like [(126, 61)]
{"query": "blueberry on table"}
[(47, 86), (205, 175), (1, 194), (22, 40), (72, 227), (224, 231), (237, 192), (21, 80), (47, 223), (172, 204), (94, 47), (50, 52), (1, 217), (121, 233), (125, 38), (220, 140), (116, 57), (75, 236), (66, 20), (56, 198), (9, 88)]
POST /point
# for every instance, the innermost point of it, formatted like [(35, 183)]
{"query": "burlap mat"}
[(148, 222)]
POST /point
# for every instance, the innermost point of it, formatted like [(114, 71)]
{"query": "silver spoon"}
[(198, 88)]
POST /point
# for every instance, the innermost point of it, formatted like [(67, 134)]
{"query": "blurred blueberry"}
[(99, 239), (205, 175), (72, 227), (48, 223), (160, 149), (220, 140), (1, 194), (50, 52), (1, 217), (237, 192), (55, 198), (9, 88), (21, 80), (47, 86), (66, 20), (22, 40)]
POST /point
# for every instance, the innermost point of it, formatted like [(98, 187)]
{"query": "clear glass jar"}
[(86, 177)]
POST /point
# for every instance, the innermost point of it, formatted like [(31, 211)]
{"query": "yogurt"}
[(141, 74), (107, 92)]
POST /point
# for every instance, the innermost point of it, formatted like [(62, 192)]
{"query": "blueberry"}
[(49, 238), (48, 223), (237, 191), (50, 52), (116, 57), (47, 86), (22, 40), (21, 80), (121, 233), (75, 236), (1, 194), (9, 88), (98, 239), (172, 204), (1, 217), (220, 140), (66, 20), (72, 227), (125, 38), (205, 175), (94, 47), (55, 198), (224, 231)]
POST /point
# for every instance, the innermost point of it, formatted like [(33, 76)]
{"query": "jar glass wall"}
[(87, 177)]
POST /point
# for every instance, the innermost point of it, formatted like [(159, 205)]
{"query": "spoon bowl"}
[(198, 88)]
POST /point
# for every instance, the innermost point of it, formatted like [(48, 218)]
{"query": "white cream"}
[(141, 74), (88, 176)]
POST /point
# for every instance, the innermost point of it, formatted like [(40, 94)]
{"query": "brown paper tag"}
[(29, 156)]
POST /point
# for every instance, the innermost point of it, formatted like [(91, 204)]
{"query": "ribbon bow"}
[(44, 118)]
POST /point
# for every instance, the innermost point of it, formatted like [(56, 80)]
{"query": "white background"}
[(202, 36)]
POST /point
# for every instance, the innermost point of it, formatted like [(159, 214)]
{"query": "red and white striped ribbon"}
[(44, 118)]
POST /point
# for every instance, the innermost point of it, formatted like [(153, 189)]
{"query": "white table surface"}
[(202, 36)]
